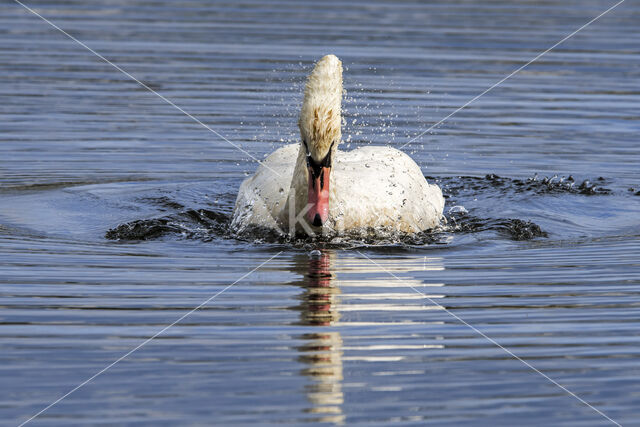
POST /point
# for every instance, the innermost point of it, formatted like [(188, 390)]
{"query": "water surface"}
[(547, 265)]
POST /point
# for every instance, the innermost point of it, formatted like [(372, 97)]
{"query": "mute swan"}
[(314, 187)]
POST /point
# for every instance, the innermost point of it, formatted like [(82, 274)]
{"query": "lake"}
[(115, 206)]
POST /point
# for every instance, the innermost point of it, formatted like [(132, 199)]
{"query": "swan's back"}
[(382, 188)]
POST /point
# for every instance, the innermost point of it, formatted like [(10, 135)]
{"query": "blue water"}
[(361, 332)]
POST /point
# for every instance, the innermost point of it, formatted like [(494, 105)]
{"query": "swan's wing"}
[(383, 187), (264, 194)]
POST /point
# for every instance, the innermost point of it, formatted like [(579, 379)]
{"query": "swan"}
[(314, 187)]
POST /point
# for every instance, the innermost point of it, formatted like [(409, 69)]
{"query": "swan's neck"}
[(300, 181), (300, 178)]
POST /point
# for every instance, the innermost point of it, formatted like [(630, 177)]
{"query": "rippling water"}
[(114, 208)]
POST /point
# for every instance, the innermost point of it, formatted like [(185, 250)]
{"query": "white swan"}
[(312, 186)]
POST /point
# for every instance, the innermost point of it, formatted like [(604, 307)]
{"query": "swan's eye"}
[(326, 162)]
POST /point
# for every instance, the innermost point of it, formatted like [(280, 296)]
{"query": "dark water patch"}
[(142, 229), (202, 224), (512, 228), (491, 184)]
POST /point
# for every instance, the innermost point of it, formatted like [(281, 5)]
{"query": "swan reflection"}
[(322, 351), (368, 289)]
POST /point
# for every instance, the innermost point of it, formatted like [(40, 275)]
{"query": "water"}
[(550, 270)]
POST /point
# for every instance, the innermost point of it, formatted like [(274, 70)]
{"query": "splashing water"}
[(214, 222)]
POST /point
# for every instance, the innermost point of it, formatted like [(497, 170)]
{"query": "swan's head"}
[(320, 130)]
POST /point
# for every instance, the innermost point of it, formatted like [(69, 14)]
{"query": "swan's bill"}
[(318, 190)]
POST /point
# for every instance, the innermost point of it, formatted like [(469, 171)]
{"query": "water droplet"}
[(315, 254), (458, 209)]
